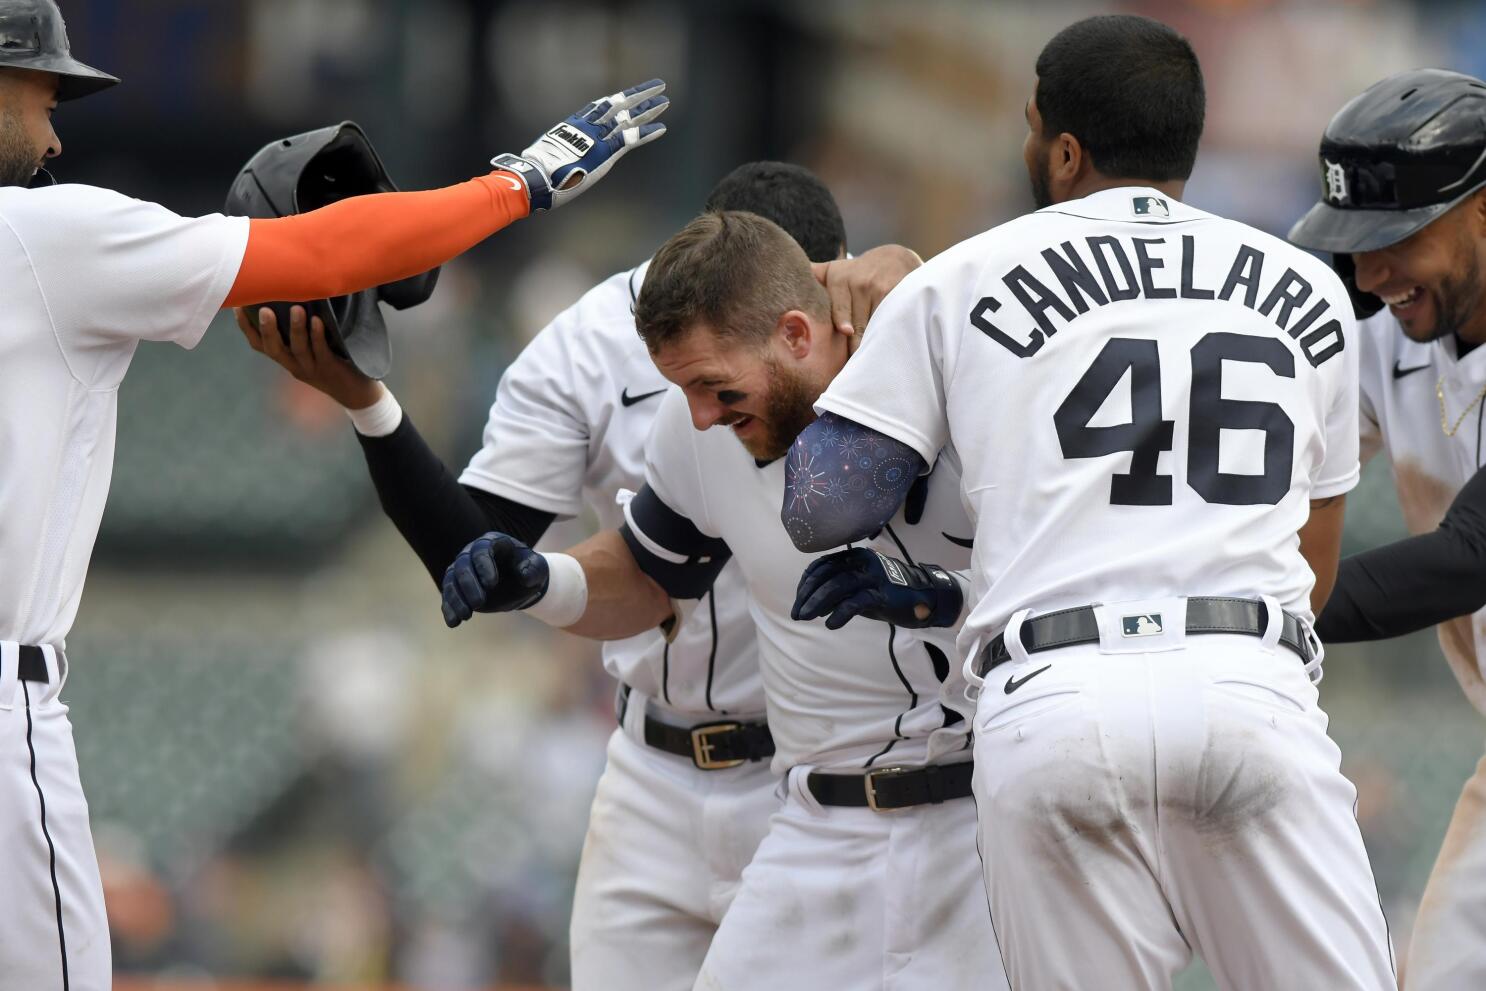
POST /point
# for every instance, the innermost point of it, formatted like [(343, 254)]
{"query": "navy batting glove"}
[(862, 582), (494, 573), (576, 153)]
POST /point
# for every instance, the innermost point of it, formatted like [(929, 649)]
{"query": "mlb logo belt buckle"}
[(702, 747), (1141, 625)]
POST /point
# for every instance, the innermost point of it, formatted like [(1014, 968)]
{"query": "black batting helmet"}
[(33, 36), (1395, 158), (311, 170)]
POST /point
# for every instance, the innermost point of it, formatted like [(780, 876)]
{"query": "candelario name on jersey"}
[(1104, 270)]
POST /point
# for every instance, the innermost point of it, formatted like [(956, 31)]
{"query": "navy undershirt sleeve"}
[(435, 514), (1416, 583), (843, 482)]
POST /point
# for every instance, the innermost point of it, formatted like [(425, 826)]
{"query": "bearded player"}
[(1403, 210), (865, 878), (87, 274)]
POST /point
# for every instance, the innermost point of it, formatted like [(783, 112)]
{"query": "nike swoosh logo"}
[(515, 183), (958, 541), (629, 400), (1399, 373), (1012, 684)]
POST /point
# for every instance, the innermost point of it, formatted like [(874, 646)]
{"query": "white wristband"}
[(380, 418), (567, 592)]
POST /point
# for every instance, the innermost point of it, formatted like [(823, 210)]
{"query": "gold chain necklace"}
[(1439, 391)]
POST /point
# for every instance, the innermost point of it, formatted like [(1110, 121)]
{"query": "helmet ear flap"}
[(409, 292), (1364, 304), (361, 335)]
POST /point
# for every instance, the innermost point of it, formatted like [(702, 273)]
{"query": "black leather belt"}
[(1071, 627), (713, 746), (886, 788), (32, 666)]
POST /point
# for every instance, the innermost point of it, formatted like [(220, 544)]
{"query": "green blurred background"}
[(295, 771)]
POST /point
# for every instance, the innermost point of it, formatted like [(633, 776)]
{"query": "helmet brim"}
[(1347, 232), (76, 80)]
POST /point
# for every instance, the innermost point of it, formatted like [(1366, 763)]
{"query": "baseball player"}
[(864, 879), (1154, 408), (86, 275), (687, 791), (1403, 210)]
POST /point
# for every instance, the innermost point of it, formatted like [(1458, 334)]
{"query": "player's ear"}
[(1068, 159), (796, 332)]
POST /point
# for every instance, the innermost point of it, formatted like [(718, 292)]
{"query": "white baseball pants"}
[(1447, 951), (1142, 800), (53, 929), (845, 899), (665, 851)]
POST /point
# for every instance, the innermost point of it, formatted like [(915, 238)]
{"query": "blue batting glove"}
[(494, 573), (862, 582), (576, 153)]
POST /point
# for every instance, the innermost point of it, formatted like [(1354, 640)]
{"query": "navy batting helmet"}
[(33, 36), (1395, 158), (311, 170)]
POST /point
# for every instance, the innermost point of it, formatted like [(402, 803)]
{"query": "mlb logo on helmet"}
[(1336, 182), (1150, 206), (1147, 625)]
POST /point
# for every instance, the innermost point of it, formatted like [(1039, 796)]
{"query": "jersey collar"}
[(1132, 204)]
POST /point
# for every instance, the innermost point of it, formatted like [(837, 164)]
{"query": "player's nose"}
[(1372, 270), (705, 412)]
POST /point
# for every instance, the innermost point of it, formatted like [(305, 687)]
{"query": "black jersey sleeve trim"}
[(670, 549)]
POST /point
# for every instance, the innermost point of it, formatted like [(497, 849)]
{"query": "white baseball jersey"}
[(1144, 398), (866, 695), (1401, 414), (87, 274), (567, 432)]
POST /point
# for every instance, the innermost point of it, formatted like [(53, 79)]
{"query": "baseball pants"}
[(53, 930), (665, 851), (1141, 800), (1447, 951), (849, 899)]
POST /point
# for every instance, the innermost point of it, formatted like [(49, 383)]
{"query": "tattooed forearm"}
[(843, 482)]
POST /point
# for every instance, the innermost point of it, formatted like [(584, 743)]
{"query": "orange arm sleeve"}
[(366, 241)]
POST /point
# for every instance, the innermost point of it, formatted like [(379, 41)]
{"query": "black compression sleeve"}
[(434, 513), (1416, 583)]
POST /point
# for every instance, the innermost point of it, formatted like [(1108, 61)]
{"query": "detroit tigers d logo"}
[(1336, 183)]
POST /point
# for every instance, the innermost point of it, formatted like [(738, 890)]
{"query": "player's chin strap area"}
[(1243, 617)]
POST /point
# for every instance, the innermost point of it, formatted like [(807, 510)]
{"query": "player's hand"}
[(494, 573), (857, 286), (307, 356), (862, 582), (576, 152)]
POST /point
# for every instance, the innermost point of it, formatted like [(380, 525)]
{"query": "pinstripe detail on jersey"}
[(665, 672), (50, 847), (712, 655)]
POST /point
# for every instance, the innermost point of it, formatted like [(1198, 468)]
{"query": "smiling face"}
[(765, 395), (1432, 281), (27, 139)]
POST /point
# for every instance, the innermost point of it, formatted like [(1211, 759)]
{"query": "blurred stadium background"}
[(296, 773)]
